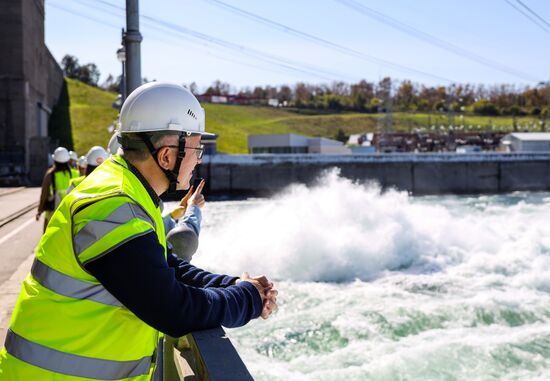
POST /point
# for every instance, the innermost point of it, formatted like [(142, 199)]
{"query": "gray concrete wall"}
[(30, 85), (12, 109), (415, 173)]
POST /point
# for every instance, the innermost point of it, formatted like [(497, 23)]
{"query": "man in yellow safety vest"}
[(104, 287)]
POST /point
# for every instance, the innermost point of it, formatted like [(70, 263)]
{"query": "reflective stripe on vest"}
[(93, 231), (61, 328), (71, 287), (73, 365)]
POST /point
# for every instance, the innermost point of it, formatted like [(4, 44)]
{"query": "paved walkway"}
[(15, 200), (18, 239)]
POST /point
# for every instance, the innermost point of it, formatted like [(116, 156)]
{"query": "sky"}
[(257, 42)]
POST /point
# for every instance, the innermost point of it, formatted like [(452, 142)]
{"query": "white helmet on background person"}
[(113, 145), (96, 155), (73, 155), (61, 155), (161, 106), (82, 162)]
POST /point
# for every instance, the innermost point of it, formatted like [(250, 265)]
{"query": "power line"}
[(534, 13), (209, 52), (177, 40), (202, 45), (54, 5), (100, 21), (320, 41), (426, 37), (265, 57), (538, 21)]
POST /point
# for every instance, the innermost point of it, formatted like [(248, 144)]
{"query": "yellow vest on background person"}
[(96, 155), (75, 172), (60, 185), (66, 325)]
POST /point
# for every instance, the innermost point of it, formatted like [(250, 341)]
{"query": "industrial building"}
[(292, 143), (526, 142), (31, 84)]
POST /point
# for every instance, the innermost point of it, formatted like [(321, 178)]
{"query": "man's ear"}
[(164, 158)]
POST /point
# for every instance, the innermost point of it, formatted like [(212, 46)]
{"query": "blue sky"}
[(514, 49)]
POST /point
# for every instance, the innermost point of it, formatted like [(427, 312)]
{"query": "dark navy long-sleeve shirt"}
[(171, 295)]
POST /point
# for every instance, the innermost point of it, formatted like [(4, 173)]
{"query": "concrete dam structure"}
[(418, 174)]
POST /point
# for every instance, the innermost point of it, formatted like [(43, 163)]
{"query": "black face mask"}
[(171, 175)]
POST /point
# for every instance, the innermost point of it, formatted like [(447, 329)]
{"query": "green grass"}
[(91, 114), (234, 123)]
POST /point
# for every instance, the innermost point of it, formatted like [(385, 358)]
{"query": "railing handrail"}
[(205, 355)]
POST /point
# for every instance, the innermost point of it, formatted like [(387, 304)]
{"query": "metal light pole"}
[(121, 56), (132, 41)]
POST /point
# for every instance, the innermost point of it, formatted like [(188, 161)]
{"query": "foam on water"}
[(382, 286), (341, 231)]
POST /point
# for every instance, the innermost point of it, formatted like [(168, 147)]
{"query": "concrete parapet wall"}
[(415, 173), (525, 176)]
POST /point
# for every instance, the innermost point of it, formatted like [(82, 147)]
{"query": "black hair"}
[(90, 169), (58, 167)]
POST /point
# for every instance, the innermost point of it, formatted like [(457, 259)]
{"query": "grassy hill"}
[(91, 114)]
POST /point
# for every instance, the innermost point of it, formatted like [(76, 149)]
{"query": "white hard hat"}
[(96, 155), (73, 155), (113, 145), (82, 162), (61, 155), (161, 106)]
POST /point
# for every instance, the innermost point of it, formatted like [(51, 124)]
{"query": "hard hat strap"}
[(179, 159), (171, 175)]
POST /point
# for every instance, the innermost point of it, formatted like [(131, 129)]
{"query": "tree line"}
[(368, 97), (90, 74), (401, 96)]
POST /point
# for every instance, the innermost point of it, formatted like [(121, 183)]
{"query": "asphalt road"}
[(19, 236)]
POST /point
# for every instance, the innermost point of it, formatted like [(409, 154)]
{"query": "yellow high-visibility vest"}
[(66, 325), (74, 182), (75, 172), (60, 185)]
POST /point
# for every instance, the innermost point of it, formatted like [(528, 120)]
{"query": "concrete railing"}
[(206, 355)]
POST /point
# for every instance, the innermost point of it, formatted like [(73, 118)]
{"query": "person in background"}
[(95, 156), (183, 224), (54, 184), (81, 165), (104, 285), (73, 158)]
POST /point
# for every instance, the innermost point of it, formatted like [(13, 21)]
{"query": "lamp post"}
[(132, 42), (121, 56)]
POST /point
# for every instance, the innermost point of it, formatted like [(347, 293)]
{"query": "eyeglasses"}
[(199, 151)]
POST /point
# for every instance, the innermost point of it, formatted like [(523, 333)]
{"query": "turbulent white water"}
[(384, 286)]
